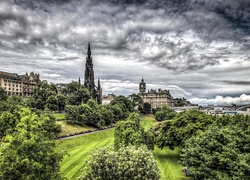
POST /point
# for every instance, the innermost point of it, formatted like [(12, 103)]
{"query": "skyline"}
[(197, 49)]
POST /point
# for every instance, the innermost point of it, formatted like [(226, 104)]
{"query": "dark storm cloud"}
[(244, 83), (206, 40)]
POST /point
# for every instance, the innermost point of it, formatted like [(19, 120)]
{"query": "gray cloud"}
[(244, 83), (164, 41)]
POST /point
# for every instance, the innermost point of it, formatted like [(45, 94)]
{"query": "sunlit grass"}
[(59, 116), (168, 163), (79, 148)]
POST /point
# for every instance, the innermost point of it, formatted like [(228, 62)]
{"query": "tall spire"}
[(99, 84), (89, 51)]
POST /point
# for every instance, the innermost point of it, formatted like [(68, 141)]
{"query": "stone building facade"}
[(22, 85), (108, 98), (89, 81), (155, 98)]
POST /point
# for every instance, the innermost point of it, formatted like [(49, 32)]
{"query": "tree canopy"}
[(218, 153), (28, 152), (130, 132), (3, 94), (173, 133), (126, 163)]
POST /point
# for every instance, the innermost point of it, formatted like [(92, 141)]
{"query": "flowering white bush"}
[(127, 163)]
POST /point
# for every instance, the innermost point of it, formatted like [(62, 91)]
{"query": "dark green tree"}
[(166, 113), (61, 102), (28, 152), (126, 163), (8, 122), (136, 101), (76, 93), (125, 104), (130, 132), (92, 104), (174, 133), (52, 103), (42, 92), (72, 114), (107, 115), (146, 107), (30, 102), (218, 153), (3, 94), (117, 111)]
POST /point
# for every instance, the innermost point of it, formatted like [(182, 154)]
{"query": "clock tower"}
[(142, 86)]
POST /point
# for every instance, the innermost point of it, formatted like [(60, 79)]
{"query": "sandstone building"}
[(89, 81), (108, 98), (155, 98), (22, 85)]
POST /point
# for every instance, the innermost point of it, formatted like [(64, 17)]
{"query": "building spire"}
[(142, 80), (89, 50), (99, 84)]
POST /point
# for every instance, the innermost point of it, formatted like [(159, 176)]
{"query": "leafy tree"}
[(117, 111), (125, 104), (13, 103), (48, 124), (28, 152), (166, 113), (72, 113), (107, 115), (7, 122), (3, 94), (42, 92), (76, 93), (218, 153), (92, 104), (136, 101), (146, 107), (84, 114), (52, 103), (186, 124), (30, 102), (130, 132), (61, 102), (126, 163), (72, 99)]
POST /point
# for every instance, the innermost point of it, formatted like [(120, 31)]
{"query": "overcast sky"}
[(198, 49)]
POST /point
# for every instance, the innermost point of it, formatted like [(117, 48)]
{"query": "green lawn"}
[(168, 163), (147, 123), (59, 116), (79, 148)]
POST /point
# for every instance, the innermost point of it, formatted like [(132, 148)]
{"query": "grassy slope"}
[(79, 149), (168, 163), (167, 159), (72, 128)]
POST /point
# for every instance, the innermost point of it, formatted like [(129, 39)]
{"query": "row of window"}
[(12, 89), (12, 85), (11, 81)]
